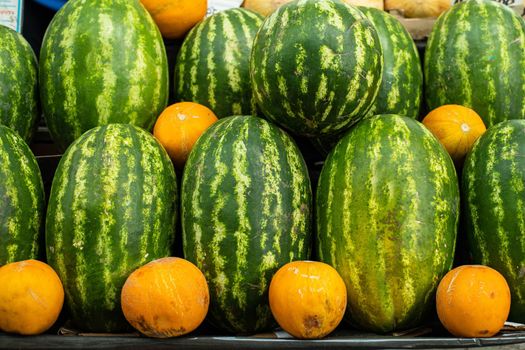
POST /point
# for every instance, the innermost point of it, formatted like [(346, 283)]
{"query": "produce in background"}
[(493, 193), (31, 297), (212, 67), (310, 73), (387, 215), (176, 18), (267, 7), (473, 301), (246, 209), (112, 209), (308, 299), (102, 62), (179, 127), (22, 202), (457, 128), (402, 83), (165, 298), (418, 8), (18, 84), (474, 58)]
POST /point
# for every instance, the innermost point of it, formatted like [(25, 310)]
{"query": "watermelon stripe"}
[(21, 199), (257, 222), (479, 62), (125, 219), (372, 229), (129, 83)]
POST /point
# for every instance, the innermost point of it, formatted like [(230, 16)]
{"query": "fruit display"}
[(212, 66), (401, 87), (473, 301), (307, 298), (493, 186), (31, 297), (101, 62), (22, 202), (184, 149), (310, 73), (165, 298), (387, 214), (100, 228), (456, 127), (246, 209), (474, 58), (18, 84)]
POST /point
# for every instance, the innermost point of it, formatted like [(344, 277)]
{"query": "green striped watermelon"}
[(475, 57), (18, 84), (316, 66), (212, 67), (22, 202), (493, 189), (112, 208), (102, 61), (246, 211), (402, 84), (387, 215)]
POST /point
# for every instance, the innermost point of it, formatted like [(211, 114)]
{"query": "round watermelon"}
[(102, 62), (246, 208), (112, 208), (212, 66), (22, 202), (18, 84), (316, 67), (387, 214)]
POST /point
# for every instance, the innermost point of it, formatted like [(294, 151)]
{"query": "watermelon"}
[(246, 211), (387, 214), (101, 62), (316, 67), (402, 84), (475, 57), (22, 202), (212, 66), (493, 190), (112, 208), (18, 84)]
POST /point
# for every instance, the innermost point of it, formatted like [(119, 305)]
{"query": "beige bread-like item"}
[(267, 7), (418, 8)]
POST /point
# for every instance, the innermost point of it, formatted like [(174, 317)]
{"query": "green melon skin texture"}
[(18, 84), (402, 83), (475, 57), (387, 214), (101, 62), (213, 64), (22, 202), (246, 209), (316, 67), (493, 190), (112, 209)]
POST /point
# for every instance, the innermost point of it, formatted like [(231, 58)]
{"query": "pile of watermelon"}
[(384, 212)]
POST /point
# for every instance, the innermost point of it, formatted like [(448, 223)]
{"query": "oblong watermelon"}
[(112, 208), (18, 84), (316, 66), (213, 63), (246, 211), (102, 62), (22, 202), (387, 213), (493, 189), (475, 57), (402, 83)]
